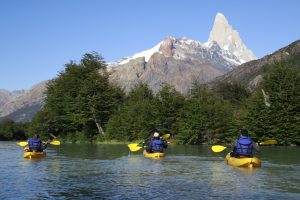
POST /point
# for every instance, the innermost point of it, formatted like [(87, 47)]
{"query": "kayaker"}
[(156, 144), (244, 146), (35, 144)]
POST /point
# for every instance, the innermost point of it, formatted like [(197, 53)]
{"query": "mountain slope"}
[(176, 61), (249, 74), (180, 61), (23, 106)]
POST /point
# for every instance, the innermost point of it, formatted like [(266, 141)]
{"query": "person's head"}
[(36, 135), (244, 132), (156, 135)]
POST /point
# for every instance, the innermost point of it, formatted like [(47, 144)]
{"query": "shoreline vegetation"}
[(83, 105)]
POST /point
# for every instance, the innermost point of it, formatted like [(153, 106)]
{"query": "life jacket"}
[(35, 144), (244, 146), (157, 145)]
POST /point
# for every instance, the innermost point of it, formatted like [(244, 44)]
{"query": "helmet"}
[(156, 134)]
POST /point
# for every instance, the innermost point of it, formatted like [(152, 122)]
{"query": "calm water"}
[(110, 172)]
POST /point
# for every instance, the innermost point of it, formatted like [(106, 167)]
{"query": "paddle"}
[(166, 136), (134, 147), (269, 142), (22, 144), (138, 146), (219, 148), (54, 142)]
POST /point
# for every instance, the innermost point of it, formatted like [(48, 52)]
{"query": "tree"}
[(135, 118), (11, 130), (80, 99), (280, 120), (168, 102), (233, 92), (204, 117)]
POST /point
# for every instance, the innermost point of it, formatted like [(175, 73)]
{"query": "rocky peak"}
[(167, 46), (229, 39)]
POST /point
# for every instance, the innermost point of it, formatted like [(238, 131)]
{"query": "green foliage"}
[(136, 118), (204, 117), (80, 99), (281, 120), (168, 102), (233, 92), (10, 130), (77, 137)]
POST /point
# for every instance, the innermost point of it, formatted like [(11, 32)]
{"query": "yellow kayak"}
[(243, 162), (32, 155), (156, 155)]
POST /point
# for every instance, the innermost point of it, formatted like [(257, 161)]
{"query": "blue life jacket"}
[(35, 144), (157, 145), (244, 146)]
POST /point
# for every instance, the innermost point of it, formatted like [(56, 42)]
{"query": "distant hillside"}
[(22, 105), (250, 73), (25, 113)]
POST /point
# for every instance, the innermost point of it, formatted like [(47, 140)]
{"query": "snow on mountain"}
[(229, 39), (176, 61), (179, 61), (147, 54)]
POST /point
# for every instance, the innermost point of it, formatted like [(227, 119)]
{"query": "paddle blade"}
[(268, 142), (55, 142), (22, 144), (218, 148), (166, 136), (134, 147)]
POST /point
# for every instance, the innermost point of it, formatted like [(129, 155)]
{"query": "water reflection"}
[(110, 172)]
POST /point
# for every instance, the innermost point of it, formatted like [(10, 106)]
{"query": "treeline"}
[(83, 105), (9, 130)]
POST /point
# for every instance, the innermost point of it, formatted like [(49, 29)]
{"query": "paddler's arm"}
[(255, 146)]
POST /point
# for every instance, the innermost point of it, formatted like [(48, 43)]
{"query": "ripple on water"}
[(67, 175)]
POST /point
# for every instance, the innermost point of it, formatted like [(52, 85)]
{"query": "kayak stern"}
[(243, 162), (156, 155)]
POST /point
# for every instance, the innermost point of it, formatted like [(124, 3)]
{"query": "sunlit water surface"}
[(74, 171)]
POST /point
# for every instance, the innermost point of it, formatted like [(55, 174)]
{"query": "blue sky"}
[(38, 37)]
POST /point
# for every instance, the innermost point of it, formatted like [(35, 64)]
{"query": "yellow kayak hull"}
[(153, 155), (243, 162), (33, 155)]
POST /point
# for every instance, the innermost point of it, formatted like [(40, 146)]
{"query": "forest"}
[(82, 105)]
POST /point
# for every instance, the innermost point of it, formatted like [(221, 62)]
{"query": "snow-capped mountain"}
[(229, 39), (181, 61), (176, 61)]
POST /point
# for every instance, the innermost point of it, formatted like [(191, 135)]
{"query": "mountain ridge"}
[(176, 61), (250, 75)]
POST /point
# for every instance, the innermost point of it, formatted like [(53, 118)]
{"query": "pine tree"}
[(280, 120)]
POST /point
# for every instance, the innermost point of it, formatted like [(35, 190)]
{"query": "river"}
[(77, 171)]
